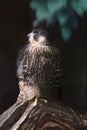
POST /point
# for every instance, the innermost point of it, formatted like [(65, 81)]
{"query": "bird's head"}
[(38, 36)]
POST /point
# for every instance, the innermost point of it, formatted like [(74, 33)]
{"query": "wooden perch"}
[(49, 116)]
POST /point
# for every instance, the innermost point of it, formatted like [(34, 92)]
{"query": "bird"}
[(39, 68)]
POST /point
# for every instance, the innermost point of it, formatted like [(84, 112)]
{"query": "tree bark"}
[(43, 116)]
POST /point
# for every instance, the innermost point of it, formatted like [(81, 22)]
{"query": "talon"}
[(36, 100), (43, 100)]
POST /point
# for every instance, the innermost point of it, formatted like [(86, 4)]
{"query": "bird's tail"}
[(20, 96)]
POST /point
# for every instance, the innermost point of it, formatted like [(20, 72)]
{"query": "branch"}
[(49, 116)]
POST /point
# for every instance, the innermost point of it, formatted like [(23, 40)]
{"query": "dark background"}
[(15, 22)]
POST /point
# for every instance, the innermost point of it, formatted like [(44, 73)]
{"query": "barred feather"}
[(39, 68)]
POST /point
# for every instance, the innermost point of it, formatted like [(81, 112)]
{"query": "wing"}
[(56, 76), (20, 60), (57, 67), (51, 72)]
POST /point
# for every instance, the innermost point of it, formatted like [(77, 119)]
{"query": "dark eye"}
[(35, 32)]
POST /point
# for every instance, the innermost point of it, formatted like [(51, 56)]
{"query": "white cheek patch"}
[(41, 39), (31, 40)]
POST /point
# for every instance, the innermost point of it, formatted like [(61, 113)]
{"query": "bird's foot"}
[(43, 100), (36, 101)]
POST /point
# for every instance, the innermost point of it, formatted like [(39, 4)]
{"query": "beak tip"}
[(30, 34)]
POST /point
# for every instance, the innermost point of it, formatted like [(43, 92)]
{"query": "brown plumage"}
[(39, 68)]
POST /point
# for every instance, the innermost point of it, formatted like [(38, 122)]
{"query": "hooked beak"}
[(30, 35)]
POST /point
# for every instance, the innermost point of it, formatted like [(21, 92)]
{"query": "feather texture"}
[(39, 68)]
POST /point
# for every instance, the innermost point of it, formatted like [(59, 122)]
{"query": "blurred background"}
[(66, 22)]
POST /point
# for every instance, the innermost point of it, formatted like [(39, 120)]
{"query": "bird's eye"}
[(35, 32)]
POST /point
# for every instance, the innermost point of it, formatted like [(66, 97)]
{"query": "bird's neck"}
[(38, 46)]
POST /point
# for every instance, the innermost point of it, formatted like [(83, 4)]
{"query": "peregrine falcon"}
[(39, 68)]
